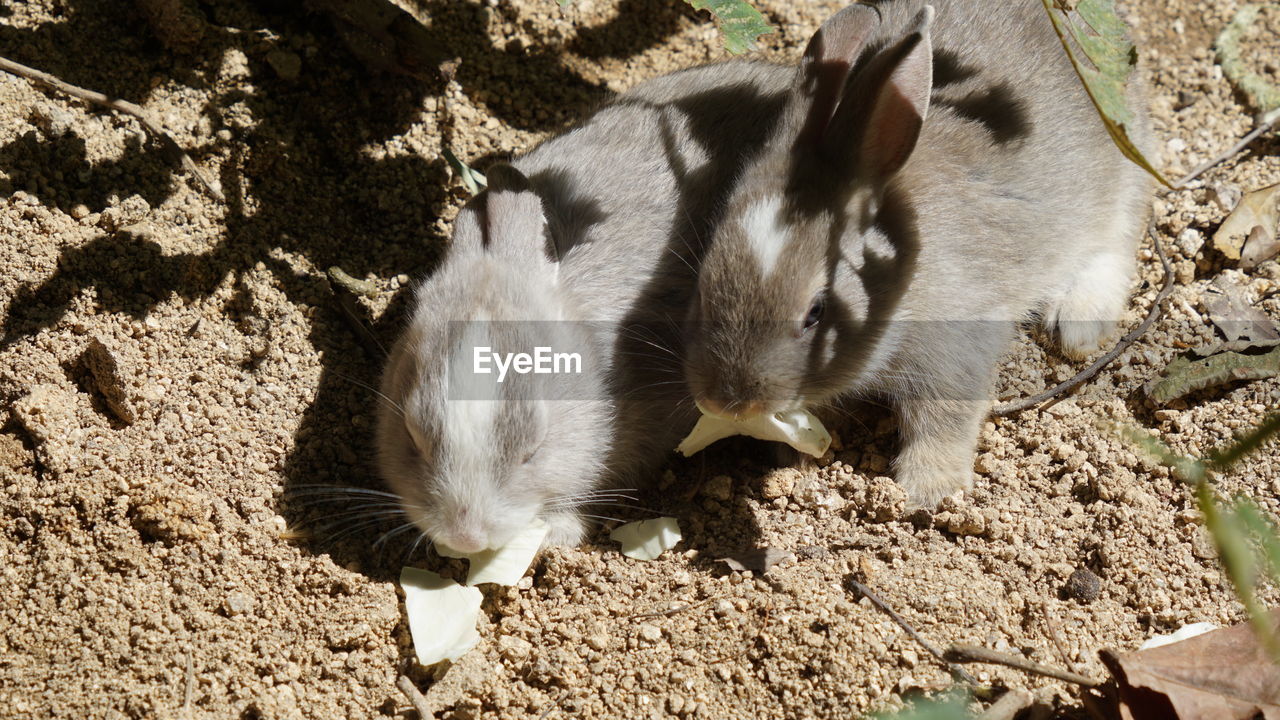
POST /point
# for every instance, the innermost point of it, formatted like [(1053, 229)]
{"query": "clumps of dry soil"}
[(155, 569)]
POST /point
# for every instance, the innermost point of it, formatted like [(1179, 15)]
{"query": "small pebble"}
[(1190, 241), (650, 633), (1084, 585), (286, 64)]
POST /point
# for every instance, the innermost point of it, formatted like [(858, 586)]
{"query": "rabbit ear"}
[(514, 222), (825, 67), (877, 122)]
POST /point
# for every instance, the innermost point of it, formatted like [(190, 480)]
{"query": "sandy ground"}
[(153, 569)]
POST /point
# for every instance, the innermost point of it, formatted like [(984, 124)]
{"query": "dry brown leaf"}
[(1220, 675), (1231, 312), (1260, 207), (758, 560), (1259, 247)]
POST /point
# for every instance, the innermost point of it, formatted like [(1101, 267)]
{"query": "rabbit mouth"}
[(729, 410), (739, 411)]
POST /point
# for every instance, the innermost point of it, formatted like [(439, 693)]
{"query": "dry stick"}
[(1266, 123), (188, 688), (414, 697), (973, 653), (345, 302), (933, 650), (1085, 375), (124, 106), (1051, 624)]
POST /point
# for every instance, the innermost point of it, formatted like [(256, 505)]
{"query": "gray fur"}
[(1014, 202), (601, 227)]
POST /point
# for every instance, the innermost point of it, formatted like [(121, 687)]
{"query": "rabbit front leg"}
[(941, 405), (939, 441)]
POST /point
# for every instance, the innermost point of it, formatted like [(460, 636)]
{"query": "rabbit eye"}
[(815, 313)]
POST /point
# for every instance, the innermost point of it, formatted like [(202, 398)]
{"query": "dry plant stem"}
[(360, 287), (1009, 705), (902, 623), (414, 697), (1087, 374), (188, 686), (1051, 624), (1268, 121), (345, 301), (124, 106), (973, 653)]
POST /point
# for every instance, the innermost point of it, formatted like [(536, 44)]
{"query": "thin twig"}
[(1085, 375), (345, 301), (1267, 122), (124, 106), (1051, 624), (933, 650), (188, 686), (973, 653), (414, 697), (673, 611)]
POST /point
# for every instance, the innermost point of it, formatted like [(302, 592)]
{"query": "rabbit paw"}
[(1084, 315), (564, 528), (927, 485)]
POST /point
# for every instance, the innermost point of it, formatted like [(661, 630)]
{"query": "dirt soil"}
[(171, 364)]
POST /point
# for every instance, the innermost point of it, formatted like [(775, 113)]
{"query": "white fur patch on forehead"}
[(469, 417), (766, 235), (469, 430)]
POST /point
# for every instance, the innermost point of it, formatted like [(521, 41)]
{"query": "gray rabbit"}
[(589, 244), (939, 175)]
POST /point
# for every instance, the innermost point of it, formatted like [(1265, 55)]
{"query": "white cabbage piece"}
[(1186, 632), (442, 615), (798, 428), (505, 565), (647, 539)]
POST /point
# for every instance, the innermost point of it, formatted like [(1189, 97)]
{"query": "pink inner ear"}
[(891, 134), (825, 67), (898, 114)]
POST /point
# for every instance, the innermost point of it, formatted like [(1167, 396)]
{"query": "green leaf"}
[(740, 23), (471, 179), (1098, 46), (1184, 376), (1223, 458), (1189, 469), (951, 706), (1263, 531), (1261, 93), (1229, 528)]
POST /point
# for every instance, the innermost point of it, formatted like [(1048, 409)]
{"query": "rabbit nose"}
[(731, 410), (464, 534), (464, 541)]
